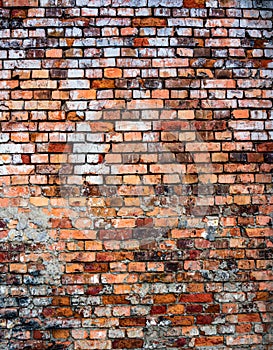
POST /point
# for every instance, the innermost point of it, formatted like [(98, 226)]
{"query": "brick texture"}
[(136, 174)]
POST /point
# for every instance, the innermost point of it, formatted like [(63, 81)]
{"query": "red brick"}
[(202, 319), (94, 290), (61, 223), (196, 298), (96, 267), (158, 310), (209, 341), (193, 309), (127, 343), (141, 42), (132, 322)]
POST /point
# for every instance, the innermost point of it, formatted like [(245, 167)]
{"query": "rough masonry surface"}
[(136, 161)]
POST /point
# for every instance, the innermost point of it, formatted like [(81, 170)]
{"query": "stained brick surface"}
[(136, 174)]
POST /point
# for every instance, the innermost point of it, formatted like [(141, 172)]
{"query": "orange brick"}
[(164, 298), (194, 3), (176, 309), (209, 341), (136, 266), (122, 289), (70, 268), (115, 299), (39, 201), (243, 328), (120, 223), (249, 318), (54, 53), (18, 268), (181, 320), (24, 95), (83, 94), (155, 266), (93, 245), (19, 137), (242, 200), (160, 94), (149, 22), (128, 31), (61, 301), (112, 73), (98, 334), (60, 333), (186, 114), (103, 84), (9, 84)]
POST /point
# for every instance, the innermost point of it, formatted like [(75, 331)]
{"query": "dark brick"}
[(127, 343)]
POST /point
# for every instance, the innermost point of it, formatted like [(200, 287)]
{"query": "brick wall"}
[(136, 174)]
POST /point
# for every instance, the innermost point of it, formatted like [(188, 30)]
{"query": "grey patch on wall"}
[(28, 233), (25, 227), (263, 3), (30, 228)]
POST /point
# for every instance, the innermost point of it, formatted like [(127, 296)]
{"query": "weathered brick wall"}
[(136, 174)]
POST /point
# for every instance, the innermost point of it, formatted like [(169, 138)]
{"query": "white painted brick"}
[(91, 169), (4, 137), (76, 158), (90, 148), (132, 126), (17, 148), (76, 105), (22, 64), (74, 84)]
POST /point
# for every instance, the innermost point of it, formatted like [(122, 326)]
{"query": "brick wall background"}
[(136, 174)]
